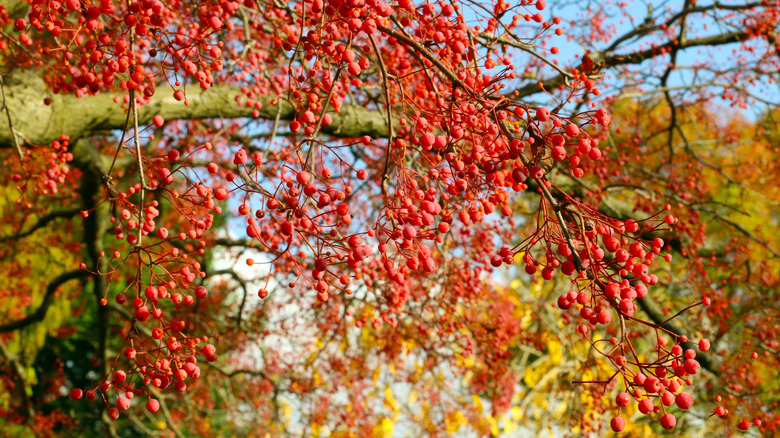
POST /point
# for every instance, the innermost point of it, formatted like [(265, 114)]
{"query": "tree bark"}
[(40, 124)]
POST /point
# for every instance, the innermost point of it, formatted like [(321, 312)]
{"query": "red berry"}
[(667, 398), (215, 23), (201, 292), (123, 403), (691, 366), (240, 157), (303, 177), (209, 350), (162, 233), (558, 153), (142, 313), (152, 405), (618, 424), (668, 421), (646, 406), (221, 194), (536, 172), (542, 114), (622, 400), (651, 385), (684, 400)]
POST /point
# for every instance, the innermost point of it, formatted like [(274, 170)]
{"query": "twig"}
[(10, 124), (390, 130)]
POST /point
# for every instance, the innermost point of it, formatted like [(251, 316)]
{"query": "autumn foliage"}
[(360, 218)]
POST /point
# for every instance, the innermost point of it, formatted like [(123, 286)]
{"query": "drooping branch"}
[(48, 298), (42, 222), (37, 123), (656, 315), (646, 304)]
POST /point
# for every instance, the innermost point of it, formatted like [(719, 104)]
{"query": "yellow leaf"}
[(516, 413), (509, 426), (383, 428), (541, 402), (493, 426), (286, 412), (390, 400), (453, 421), (536, 289), (559, 410), (556, 355), (526, 320), (406, 346), (412, 397), (315, 429), (531, 377), (477, 403)]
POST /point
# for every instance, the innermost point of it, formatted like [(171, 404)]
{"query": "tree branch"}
[(18, 368), (656, 315), (601, 60), (40, 312), (42, 222), (82, 117)]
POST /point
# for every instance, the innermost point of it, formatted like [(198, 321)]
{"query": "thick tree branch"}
[(81, 117)]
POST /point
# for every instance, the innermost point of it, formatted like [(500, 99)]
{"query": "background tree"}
[(297, 217)]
